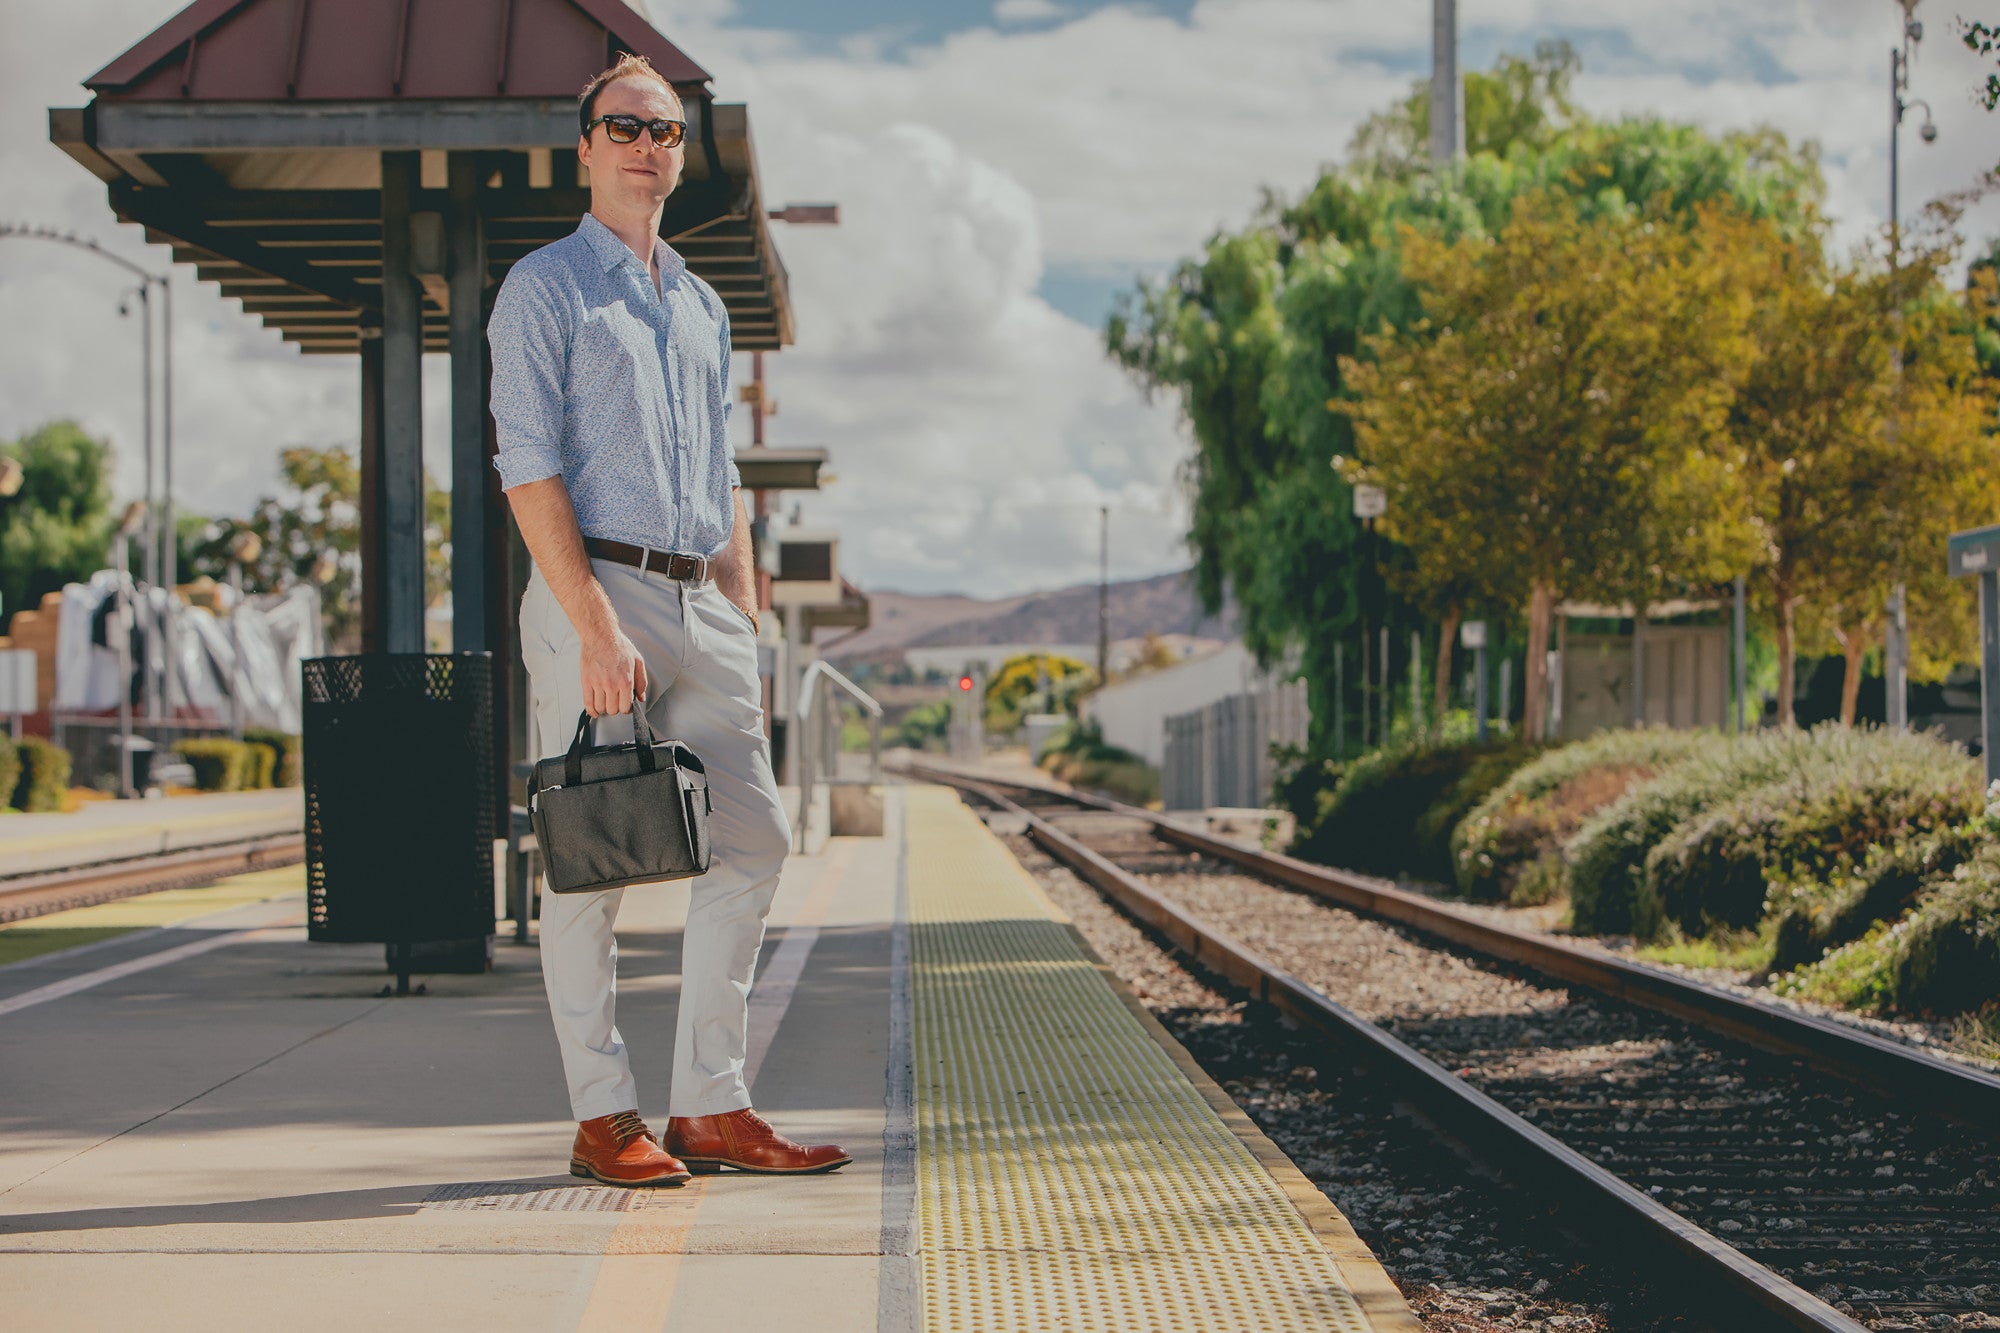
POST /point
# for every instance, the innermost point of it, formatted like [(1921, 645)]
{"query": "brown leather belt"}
[(673, 564)]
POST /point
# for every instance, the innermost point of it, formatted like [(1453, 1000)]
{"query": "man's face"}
[(640, 173)]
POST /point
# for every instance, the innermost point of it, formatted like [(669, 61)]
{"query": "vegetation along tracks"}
[(1779, 1188)]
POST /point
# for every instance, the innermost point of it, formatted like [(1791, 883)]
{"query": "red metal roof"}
[(367, 50)]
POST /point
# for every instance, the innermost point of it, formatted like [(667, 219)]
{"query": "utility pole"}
[(1103, 594), (1896, 657), (1447, 99)]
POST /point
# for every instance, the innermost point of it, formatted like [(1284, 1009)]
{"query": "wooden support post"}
[(372, 640), (470, 515), (400, 493)]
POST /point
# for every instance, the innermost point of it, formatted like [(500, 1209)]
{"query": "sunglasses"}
[(625, 129)]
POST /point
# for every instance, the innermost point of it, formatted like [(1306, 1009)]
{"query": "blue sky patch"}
[(905, 23)]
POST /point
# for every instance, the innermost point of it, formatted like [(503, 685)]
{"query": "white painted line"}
[(772, 995), (83, 981)]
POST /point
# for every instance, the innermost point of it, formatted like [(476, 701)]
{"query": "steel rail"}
[(23, 897), (1903, 1073), (1534, 1159)]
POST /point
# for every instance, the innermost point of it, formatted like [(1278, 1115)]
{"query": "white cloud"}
[(975, 429), (1027, 11)]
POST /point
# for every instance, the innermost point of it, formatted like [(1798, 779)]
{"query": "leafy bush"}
[(1377, 815), (10, 766), (1509, 848), (1943, 958), (43, 780), (219, 763), (284, 749), (1814, 915), (1610, 890), (924, 725), (1716, 869), (1081, 758)]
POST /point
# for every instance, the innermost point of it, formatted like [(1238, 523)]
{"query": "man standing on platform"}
[(611, 399)]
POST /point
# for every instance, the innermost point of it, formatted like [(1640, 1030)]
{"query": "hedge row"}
[(1699, 846), (1081, 757), (260, 759), (1392, 812), (1509, 848), (34, 774)]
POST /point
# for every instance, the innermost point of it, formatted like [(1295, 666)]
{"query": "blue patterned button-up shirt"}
[(621, 390)]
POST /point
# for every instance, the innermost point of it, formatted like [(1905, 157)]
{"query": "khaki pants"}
[(703, 690)]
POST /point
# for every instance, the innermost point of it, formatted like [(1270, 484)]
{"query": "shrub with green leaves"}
[(1377, 816), (1509, 848), (284, 749), (1942, 958), (1717, 868), (1081, 757), (1610, 890), (219, 763), (10, 766), (43, 781), (1817, 913)]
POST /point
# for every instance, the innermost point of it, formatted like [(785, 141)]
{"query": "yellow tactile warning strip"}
[(1068, 1175)]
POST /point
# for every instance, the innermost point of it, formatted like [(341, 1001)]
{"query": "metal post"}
[(1639, 667), (123, 631), (1339, 702), (1103, 594), (1447, 102), (401, 496), (236, 648), (1740, 644), (1479, 690), (466, 265), (1382, 702), (1897, 665), (1506, 689), (1989, 671), (169, 543), (1416, 682)]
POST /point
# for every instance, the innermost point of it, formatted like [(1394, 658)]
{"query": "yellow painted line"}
[(109, 832), (88, 925), (1068, 1173)]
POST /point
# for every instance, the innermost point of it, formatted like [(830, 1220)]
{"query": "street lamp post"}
[(1896, 658), (159, 556)]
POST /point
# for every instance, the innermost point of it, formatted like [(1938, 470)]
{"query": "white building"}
[(1132, 713)]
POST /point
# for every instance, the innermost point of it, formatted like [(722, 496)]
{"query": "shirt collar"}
[(612, 252)]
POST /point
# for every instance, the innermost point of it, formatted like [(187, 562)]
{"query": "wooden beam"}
[(165, 214)]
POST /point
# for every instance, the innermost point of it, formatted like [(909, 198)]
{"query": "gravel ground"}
[(1834, 1181), (1452, 1239)]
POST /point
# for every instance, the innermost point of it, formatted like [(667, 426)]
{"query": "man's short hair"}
[(629, 66)]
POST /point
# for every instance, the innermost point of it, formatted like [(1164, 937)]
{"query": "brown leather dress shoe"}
[(619, 1150), (743, 1140)]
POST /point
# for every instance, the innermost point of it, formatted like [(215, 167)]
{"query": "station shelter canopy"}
[(251, 135)]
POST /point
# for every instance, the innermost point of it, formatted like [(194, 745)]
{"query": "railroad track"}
[(26, 896), (1625, 1095)]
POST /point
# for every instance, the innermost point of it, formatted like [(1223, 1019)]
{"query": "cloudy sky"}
[(1003, 170)]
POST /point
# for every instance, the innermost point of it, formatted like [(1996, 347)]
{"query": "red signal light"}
[(965, 682)]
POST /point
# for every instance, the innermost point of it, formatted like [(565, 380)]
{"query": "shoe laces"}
[(626, 1126)]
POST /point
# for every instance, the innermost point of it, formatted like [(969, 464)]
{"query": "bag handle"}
[(642, 732)]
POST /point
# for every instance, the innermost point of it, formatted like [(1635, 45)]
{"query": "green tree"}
[(312, 531), (57, 528), (1554, 425), (1251, 337)]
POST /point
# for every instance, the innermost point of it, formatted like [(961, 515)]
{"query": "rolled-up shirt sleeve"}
[(529, 339)]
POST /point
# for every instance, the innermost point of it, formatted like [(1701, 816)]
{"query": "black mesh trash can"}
[(400, 806)]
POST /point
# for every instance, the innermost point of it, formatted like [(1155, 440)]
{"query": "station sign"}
[(1974, 552), (1370, 501)]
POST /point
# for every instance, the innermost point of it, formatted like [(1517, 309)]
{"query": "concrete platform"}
[(216, 1125), (114, 830)]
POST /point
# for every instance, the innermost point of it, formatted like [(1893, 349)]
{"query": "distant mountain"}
[(1163, 604)]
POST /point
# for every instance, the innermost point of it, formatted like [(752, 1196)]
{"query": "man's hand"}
[(613, 673)]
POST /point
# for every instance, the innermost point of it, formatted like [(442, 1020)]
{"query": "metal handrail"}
[(822, 673)]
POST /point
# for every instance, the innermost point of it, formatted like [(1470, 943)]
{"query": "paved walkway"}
[(216, 1125)]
